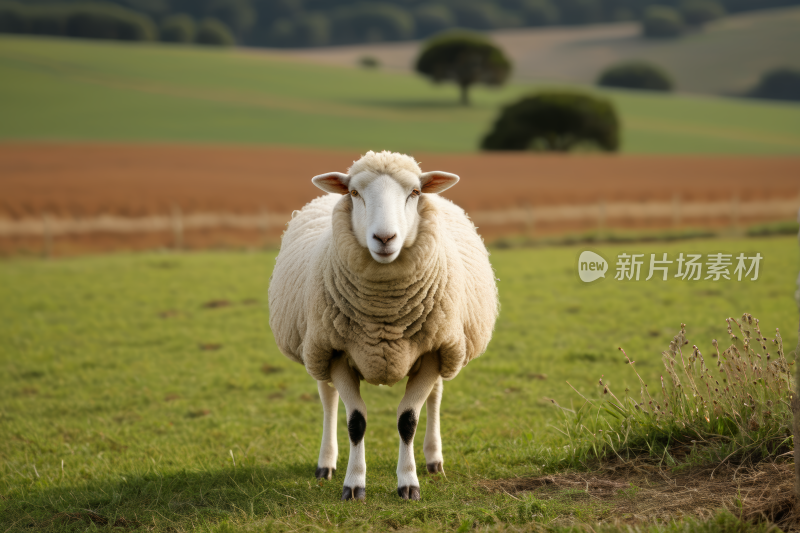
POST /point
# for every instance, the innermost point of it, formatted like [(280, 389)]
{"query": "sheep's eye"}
[(354, 193), (414, 193)]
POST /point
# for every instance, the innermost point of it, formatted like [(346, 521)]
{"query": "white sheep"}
[(388, 281)]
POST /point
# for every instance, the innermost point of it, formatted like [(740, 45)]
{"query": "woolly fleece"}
[(329, 297)]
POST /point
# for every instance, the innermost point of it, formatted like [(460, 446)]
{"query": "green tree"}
[(481, 15), (371, 22), (555, 121), (698, 13), (539, 12), (580, 11), (662, 22), (212, 31), (465, 59), (779, 84), (179, 28), (100, 21), (239, 16), (433, 18), (88, 21), (635, 75)]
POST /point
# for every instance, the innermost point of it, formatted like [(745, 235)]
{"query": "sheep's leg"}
[(418, 389), (347, 383), (433, 437), (329, 450)]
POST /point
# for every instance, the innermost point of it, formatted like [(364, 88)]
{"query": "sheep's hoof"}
[(324, 473), (355, 493), (408, 492), (435, 468)]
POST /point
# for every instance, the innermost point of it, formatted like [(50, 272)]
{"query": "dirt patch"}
[(107, 197), (646, 493)]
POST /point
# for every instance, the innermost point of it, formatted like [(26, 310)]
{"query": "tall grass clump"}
[(730, 405)]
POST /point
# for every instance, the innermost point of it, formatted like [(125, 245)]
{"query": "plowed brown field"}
[(68, 181)]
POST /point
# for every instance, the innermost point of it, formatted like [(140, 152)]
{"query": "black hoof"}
[(356, 493), (435, 468), (324, 473), (408, 493)]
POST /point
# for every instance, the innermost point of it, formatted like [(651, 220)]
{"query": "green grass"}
[(148, 424), (55, 89)]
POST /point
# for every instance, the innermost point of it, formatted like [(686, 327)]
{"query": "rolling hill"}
[(728, 57), (72, 90)]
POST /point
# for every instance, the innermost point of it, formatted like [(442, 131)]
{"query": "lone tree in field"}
[(465, 59), (555, 121)]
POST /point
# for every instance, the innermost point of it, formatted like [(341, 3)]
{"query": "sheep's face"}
[(385, 218)]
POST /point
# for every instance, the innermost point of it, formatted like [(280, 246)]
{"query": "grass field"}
[(76, 91), (127, 398)]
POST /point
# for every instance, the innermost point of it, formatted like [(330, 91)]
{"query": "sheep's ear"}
[(437, 181), (334, 182)]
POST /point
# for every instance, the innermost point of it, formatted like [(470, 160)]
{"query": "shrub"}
[(555, 121), (662, 22), (481, 15), (465, 59), (178, 28), (214, 32), (369, 62), (372, 22), (779, 84), (635, 75), (698, 13), (433, 18), (736, 404)]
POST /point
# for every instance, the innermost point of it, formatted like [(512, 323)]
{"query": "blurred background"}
[(159, 124)]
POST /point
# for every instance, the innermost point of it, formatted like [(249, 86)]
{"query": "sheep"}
[(378, 280)]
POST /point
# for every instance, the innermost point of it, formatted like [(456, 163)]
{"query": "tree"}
[(89, 21), (179, 28), (635, 75), (662, 22), (239, 16), (214, 32), (433, 18), (101, 21), (698, 13), (779, 84), (371, 22), (555, 121), (482, 15), (539, 12), (580, 11), (465, 59)]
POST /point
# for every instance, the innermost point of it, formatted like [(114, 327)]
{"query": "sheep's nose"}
[(384, 238)]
